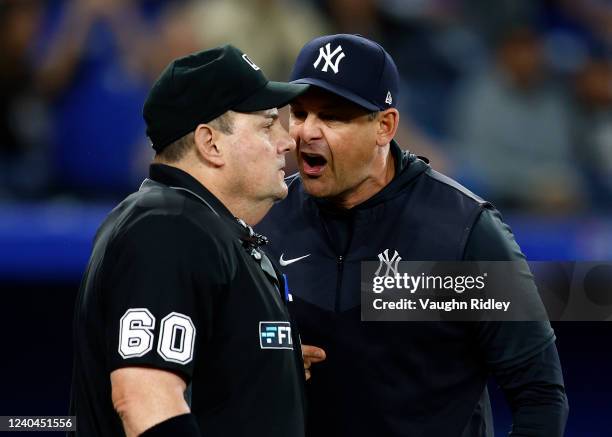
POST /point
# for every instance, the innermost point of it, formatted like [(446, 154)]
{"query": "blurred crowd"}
[(512, 97)]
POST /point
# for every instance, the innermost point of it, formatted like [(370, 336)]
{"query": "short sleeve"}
[(505, 344), (158, 294)]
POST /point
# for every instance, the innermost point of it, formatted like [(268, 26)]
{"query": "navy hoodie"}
[(408, 378)]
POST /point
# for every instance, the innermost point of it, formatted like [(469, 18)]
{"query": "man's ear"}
[(388, 122), (209, 145)]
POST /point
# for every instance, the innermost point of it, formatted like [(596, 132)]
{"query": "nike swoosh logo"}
[(286, 262)]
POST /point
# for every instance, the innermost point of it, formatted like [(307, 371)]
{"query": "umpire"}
[(180, 328), (360, 197)]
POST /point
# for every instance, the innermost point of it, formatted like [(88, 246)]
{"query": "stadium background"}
[(511, 97)]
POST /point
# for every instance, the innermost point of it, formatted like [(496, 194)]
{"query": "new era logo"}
[(389, 99), (326, 54), (275, 335)]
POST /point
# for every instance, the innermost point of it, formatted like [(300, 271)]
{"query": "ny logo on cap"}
[(328, 55), (251, 63)]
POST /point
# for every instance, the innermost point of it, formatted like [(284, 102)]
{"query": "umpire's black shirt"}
[(175, 282)]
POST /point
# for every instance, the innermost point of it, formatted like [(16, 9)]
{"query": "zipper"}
[(340, 264), (340, 259)]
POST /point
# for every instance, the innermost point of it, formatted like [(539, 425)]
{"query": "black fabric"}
[(201, 86), (532, 383), (490, 228), (184, 425), (272, 95), (338, 225), (536, 395), (396, 379), (175, 282)]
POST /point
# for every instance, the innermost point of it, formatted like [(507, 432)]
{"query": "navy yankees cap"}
[(198, 88), (351, 66)]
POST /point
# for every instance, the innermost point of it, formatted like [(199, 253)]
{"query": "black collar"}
[(181, 180), (178, 179)]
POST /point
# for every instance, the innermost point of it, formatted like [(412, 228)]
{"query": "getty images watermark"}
[(396, 290)]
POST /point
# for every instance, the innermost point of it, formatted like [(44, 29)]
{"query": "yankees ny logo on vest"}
[(328, 55), (390, 263)]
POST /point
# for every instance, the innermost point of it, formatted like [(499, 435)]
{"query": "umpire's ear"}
[(207, 145)]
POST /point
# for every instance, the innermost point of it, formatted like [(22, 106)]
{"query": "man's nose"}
[(285, 142), (308, 130)]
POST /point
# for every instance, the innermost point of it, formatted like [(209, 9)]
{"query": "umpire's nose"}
[(285, 143)]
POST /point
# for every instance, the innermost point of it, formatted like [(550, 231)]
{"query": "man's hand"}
[(144, 397), (311, 354)]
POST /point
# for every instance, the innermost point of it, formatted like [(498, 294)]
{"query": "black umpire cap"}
[(202, 86), (352, 67)]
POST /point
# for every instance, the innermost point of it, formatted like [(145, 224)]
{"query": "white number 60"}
[(176, 336)]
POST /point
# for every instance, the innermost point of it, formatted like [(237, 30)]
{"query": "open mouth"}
[(313, 164)]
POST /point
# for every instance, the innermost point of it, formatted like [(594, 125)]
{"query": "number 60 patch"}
[(176, 335)]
